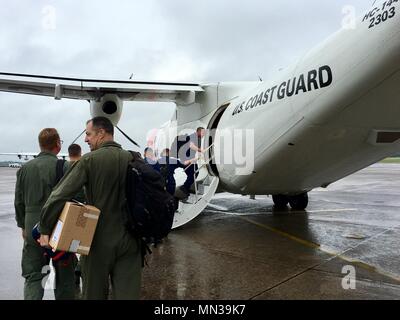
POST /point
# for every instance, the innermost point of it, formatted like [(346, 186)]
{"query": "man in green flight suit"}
[(35, 181), (114, 253), (75, 154)]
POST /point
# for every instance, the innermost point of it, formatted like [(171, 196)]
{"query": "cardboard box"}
[(75, 228)]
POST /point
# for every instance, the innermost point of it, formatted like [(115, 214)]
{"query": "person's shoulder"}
[(99, 153), (21, 170), (94, 154), (131, 152), (133, 155), (87, 157), (28, 163), (44, 159), (32, 163), (68, 164)]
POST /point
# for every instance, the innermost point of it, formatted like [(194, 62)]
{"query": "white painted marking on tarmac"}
[(217, 207), (238, 213), (354, 236), (342, 255), (332, 210), (338, 254)]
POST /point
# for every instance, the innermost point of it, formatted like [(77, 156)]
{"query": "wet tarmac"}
[(241, 249)]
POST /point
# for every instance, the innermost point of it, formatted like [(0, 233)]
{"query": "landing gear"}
[(298, 202), (280, 201)]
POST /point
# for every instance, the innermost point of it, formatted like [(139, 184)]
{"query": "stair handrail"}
[(198, 158), (198, 169)]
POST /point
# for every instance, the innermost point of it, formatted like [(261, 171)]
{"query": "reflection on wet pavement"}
[(242, 249)]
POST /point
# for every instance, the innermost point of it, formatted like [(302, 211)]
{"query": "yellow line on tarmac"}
[(284, 234), (331, 252)]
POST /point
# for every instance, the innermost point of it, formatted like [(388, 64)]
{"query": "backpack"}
[(59, 170), (164, 170), (150, 207)]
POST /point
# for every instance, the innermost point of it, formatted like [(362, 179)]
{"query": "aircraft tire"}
[(299, 202), (280, 201)]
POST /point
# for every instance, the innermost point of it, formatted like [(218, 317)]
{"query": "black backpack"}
[(164, 170), (59, 170), (150, 207)]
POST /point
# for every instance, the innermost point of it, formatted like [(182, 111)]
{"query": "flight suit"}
[(80, 196), (35, 181), (114, 253)]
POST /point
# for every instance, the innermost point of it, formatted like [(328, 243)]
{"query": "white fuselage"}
[(317, 121)]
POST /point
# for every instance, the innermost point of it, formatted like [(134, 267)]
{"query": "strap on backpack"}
[(59, 170), (144, 250), (135, 155)]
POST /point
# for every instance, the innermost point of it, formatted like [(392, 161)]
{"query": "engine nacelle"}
[(109, 106)]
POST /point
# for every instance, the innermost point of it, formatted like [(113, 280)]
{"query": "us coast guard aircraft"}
[(334, 112)]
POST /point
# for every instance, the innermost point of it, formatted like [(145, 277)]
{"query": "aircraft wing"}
[(23, 154), (88, 89), (30, 154)]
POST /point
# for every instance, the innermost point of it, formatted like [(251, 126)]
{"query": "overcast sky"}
[(173, 40)]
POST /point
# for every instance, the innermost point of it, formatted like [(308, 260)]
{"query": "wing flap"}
[(87, 89)]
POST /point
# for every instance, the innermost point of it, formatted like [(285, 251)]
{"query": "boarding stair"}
[(203, 190)]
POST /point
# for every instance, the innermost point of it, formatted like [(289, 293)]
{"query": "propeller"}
[(79, 136), (126, 136)]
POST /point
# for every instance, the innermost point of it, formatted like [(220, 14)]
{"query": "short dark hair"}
[(103, 123), (200, 128), (48, 139), (74, 150), (148, 149)]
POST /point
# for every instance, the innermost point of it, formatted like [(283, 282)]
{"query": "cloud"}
[(174, 40)]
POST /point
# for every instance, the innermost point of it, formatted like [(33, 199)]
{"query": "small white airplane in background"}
[(334, 112), (27, 155), (15, 165)]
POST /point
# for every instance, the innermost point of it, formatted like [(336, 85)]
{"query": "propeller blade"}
[(78, 136), (126, 136)]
